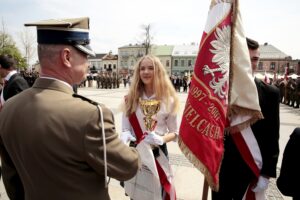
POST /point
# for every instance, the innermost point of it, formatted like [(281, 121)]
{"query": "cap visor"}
[(85, 49)]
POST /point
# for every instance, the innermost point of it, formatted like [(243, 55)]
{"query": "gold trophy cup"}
[(149, 108)]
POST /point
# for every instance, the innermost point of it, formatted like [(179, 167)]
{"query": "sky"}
[(115, 23)]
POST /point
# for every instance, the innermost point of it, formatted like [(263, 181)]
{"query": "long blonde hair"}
[(163, 88)]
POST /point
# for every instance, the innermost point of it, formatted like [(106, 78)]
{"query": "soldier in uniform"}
[(281, 87), (101, 80), (297, 92), (291, 88), (68, 146), (90, 79), (124, 81), (293, 93), (114, 81), (109, 81), (104, 81), (98, 80)]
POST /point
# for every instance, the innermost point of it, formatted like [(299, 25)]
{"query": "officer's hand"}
[(261, 185), (126, 137), (154, 139)]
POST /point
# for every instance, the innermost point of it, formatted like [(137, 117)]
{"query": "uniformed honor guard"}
[(56, 144)]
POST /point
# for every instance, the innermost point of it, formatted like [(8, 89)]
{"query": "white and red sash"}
[(248, 158), (164, 173)]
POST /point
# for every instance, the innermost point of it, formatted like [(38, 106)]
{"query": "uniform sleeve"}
[(122, 161), (11, 179)]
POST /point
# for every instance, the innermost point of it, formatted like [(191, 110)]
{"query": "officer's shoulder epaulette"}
[(86, 99)]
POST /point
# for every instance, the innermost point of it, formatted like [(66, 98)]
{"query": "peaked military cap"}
[(73, 32)]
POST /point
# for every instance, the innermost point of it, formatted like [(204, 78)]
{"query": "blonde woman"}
[(150, 81)]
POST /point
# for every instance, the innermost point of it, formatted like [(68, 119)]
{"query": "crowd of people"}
[(180, 82), (101, 80), (29, 76), (74, 145), (289, 91)]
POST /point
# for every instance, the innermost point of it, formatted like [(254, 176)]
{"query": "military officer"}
[(66, 146)]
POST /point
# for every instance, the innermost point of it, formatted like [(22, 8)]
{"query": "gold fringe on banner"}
[(199, 165), (235, 110)]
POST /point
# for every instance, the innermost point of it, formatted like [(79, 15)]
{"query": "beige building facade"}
[(128, 56), (180, 59)]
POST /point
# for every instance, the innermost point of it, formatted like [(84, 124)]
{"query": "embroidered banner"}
[(222, 77)]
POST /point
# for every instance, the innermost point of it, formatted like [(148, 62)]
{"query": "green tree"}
[(8, 46)]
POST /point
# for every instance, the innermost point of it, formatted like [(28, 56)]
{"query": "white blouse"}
[(166, 122)]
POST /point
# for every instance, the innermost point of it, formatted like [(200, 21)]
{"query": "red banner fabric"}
[(204, 117)]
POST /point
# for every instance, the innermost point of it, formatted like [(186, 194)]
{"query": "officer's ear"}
[(65, 56)]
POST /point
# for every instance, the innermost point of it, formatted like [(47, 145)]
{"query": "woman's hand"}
[(154, 139)]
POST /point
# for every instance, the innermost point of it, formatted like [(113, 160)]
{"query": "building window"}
[(260, 66), (167, 63), (104, 66), (189, 63), (182, 63), (115, 66), (175, 63), (272, 66)]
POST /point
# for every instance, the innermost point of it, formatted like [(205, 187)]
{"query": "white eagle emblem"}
[(221, 53)]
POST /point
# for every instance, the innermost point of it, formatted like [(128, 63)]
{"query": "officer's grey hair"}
[(48, 52)]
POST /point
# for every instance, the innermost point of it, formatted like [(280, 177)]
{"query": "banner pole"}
[(205, 190)]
